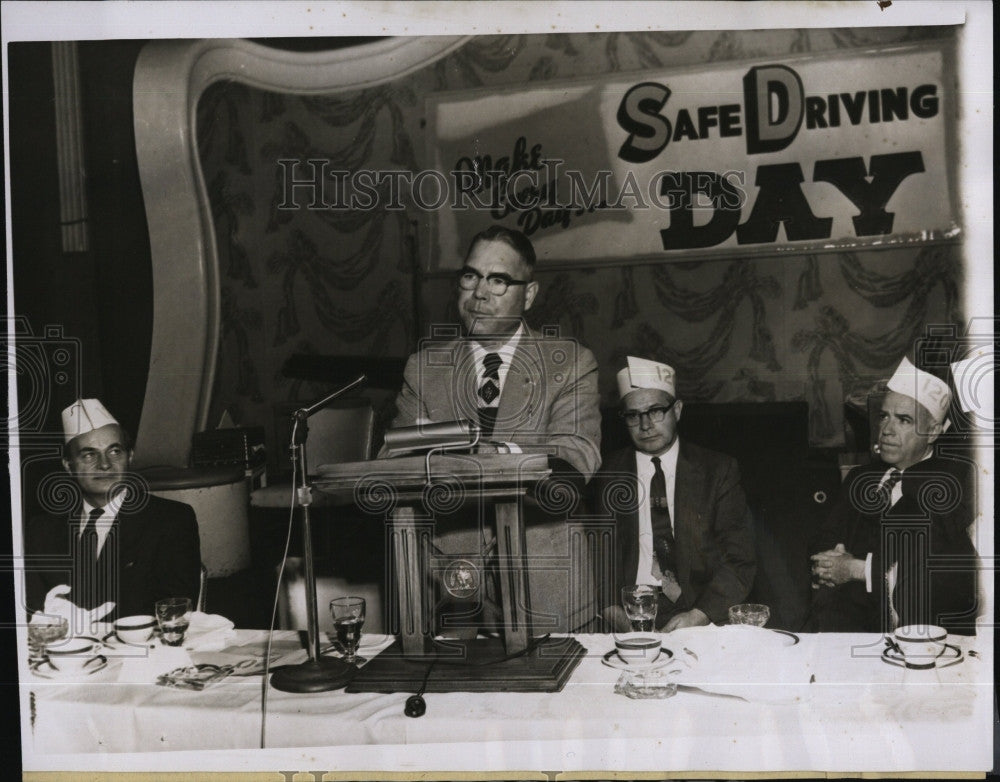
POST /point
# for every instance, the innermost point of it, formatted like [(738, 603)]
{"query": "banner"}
[(764, 157)]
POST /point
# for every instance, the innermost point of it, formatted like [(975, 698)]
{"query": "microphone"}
[(304, 412)]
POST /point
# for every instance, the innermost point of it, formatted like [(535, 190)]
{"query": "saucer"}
[(47, 671), (112, 641), (951, 655), (613, 660)]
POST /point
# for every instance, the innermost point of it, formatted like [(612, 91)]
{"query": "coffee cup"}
[(920, 645), (637, 649), (136, 629), (73, 654)]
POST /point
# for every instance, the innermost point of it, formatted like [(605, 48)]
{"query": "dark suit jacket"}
[(157, 547), (716, 562), (926, 532)]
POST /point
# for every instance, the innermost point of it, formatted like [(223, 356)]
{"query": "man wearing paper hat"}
[(687, 532), (119, 549), (875, 567)]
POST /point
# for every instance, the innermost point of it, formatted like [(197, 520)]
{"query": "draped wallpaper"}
[(816, 327)]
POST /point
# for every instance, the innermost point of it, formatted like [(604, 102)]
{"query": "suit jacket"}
[(926, 532), (716, 562), (549, 401), (549, 404), (157, 546)]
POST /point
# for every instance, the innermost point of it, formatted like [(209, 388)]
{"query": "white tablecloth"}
[(827, 703)]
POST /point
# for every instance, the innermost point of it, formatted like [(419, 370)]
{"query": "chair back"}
[(340, 432)]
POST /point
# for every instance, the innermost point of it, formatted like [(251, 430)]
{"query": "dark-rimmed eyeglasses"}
[(496, 284), (655, 414)]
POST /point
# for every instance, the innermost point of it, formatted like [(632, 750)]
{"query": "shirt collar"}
[(506, 350), (112, 507)]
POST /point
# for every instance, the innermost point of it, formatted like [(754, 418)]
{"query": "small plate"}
[(46, 671), (613, 660), (951, 655)]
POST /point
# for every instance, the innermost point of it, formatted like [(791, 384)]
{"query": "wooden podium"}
[(410, 490)]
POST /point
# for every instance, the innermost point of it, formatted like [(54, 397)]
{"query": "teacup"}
[(920, 645), (136, 629), (73, 654), (637, 649)]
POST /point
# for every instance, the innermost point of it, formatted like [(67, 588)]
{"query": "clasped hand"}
[(78, 618), (834, 567)]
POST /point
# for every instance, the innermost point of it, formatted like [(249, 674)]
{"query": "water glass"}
[(755, 614), (640, 605), (43, 631), (173, 615), (348, 619)]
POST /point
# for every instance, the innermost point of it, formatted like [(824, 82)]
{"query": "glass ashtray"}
[(644, 685)]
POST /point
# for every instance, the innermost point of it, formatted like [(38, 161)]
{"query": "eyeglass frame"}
[(492, 280), (634, 417)]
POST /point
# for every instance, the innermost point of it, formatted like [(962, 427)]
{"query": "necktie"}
[(885, 490), (85, 590), (663, 536), (488, 391)]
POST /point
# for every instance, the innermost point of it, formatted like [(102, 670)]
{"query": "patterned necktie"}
[(663, 536), (489, 390), (885, 490)]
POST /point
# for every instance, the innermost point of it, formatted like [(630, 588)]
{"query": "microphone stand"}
[(317, 674)]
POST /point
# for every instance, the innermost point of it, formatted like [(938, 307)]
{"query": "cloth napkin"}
[(208, 633)]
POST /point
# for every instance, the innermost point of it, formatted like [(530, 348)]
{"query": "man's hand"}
[(78, 618), (693, 618), (835, 567)]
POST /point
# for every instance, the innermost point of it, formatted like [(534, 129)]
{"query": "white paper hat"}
[(85, 415), (643, 373), (974, 382), (932, 392)]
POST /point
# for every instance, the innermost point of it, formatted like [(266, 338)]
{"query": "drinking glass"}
[(348, 619), (640, 605), (43, 631), (173, 616), (755, 614)]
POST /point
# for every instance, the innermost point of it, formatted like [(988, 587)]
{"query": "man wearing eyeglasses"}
[(528, 392), (116, 549), (681, 518)]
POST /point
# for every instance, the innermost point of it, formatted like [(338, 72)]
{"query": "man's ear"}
[(530, 291), (66, 467), (677, 408), (935, 432)]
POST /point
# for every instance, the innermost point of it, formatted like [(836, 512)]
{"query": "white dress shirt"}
[(506, 353), (644, 470), (105, 521)]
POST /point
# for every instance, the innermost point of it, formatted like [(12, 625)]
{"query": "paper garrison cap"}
[(932, 392), (84, 415), (643, 373)]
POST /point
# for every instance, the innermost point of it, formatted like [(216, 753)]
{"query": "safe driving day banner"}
[(739, 159)]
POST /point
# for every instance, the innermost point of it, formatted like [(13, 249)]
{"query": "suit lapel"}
[(688, 486), (524, 371)]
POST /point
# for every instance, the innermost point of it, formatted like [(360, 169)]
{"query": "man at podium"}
[(529, 392)]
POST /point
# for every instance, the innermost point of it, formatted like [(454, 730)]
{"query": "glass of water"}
[(348, 619), (173, 615), (639, 601)]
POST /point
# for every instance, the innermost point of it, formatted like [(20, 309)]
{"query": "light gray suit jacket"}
[(549, 404)]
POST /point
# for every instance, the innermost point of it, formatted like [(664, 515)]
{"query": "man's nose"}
[(482, 289), (103, 461), (645, 422), (886, 427)]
